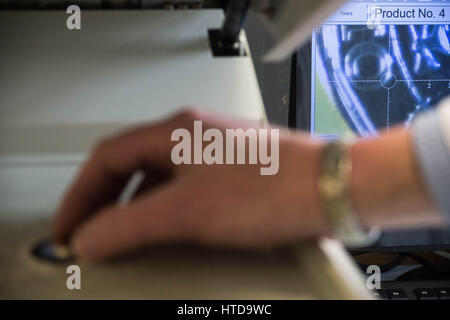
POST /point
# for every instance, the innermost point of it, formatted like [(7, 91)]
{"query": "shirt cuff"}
[(433, 156)]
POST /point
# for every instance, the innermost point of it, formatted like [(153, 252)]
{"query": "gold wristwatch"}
[(334, 192)]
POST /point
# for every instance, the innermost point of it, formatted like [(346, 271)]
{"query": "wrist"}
[(386, 187), (304, 170)]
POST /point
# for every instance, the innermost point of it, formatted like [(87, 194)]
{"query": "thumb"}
[(117, 230)]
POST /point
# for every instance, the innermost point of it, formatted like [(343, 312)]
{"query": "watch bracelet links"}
[(336, 200)]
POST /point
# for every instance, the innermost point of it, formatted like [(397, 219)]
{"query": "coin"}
[(51, 252)]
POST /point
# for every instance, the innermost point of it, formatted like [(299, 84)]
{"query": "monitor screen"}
[(376, 64), (372, 65)]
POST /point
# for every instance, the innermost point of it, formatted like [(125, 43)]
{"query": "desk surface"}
[(307, 271)]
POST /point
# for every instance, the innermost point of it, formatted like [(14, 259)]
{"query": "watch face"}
[(382, 75)]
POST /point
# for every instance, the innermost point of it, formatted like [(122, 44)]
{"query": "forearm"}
[(386, 185)]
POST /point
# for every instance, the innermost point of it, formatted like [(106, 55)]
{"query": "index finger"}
[(106, 172)]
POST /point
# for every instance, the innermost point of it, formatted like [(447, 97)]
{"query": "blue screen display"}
[(378, 64)]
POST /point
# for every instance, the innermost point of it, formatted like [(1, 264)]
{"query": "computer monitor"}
[(371, 65)]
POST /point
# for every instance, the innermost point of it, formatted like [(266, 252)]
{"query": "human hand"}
[(220, 204)]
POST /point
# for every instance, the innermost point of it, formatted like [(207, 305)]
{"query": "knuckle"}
[(101, 148), (188, 114)]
